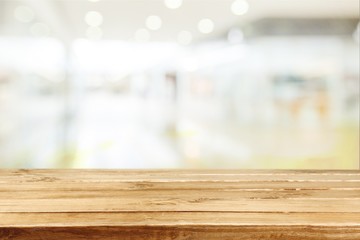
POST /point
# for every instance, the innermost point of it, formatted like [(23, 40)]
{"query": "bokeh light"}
[(206, 26), (93, 18), (153, 22)]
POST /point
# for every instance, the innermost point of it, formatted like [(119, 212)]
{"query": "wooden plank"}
[(184, 233), (174, 204), (23, 172), (173, 219), (176, 185), (174, 175), (183, 194)]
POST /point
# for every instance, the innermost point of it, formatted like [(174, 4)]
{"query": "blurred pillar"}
[(68, 119)]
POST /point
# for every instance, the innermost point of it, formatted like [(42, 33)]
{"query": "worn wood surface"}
[(179, 205)]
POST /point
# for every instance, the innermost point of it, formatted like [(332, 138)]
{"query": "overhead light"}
[(173, 4), (153, 22), (240, 7), (235, 36), (94, 33), (206, 26), (40, 30), (24, 14), (93, 19), (184, 38), (94, 0), (142, 35)]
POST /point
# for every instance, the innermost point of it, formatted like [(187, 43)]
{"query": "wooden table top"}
[(179, 204)]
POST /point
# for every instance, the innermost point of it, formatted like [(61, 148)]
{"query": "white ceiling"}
[(123, 17)]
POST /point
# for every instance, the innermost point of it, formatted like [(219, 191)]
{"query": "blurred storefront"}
[(269, 92)]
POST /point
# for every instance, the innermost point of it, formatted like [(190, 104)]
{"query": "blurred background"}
[(179, 84)]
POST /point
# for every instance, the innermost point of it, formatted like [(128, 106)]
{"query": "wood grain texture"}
[(179, 204)]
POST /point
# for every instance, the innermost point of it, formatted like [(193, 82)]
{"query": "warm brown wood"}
[(179, 204), (183, 233)]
